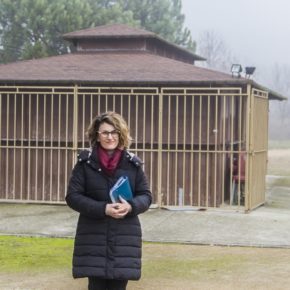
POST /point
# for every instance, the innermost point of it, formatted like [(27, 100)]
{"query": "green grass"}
[(18, 254), (34, 254)]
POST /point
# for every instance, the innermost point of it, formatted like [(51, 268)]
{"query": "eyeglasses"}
[(106, 134)]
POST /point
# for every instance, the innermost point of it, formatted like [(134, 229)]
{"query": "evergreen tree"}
[(34, 28), (163, 17)]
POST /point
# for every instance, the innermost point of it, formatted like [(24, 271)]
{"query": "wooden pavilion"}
[(203, 134)]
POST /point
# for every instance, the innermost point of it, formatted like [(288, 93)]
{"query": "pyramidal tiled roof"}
[(108, 67), (115, 67)]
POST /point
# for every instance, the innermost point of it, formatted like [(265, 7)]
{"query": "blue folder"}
[(121, 188)]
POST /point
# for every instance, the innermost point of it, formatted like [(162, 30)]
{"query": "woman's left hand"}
[(120, 209)]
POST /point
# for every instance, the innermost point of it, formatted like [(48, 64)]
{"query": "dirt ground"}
[(216, 267), (279, 162)]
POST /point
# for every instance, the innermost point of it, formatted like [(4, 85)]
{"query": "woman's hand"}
[(118, 210)]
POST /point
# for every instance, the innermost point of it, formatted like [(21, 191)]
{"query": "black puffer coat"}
[(105, 247)]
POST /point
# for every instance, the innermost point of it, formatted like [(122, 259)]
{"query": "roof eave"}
[(272, 95), (210, 83)]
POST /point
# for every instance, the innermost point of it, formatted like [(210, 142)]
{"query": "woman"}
[(108, 242)]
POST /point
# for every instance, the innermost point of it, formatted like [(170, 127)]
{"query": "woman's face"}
[(108, 136)]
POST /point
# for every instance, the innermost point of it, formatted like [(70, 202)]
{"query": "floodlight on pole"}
[(249, 70), (236, 70)]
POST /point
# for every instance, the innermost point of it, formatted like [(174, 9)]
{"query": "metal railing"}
[(191, 139)]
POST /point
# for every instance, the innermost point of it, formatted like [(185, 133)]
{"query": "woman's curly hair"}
[(114, 119)]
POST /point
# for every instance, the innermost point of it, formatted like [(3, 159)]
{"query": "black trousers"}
[(103, 284)]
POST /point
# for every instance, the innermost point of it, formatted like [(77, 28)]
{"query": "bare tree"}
[(212, 47)]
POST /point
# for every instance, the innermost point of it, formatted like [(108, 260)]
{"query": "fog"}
[(256, 31)]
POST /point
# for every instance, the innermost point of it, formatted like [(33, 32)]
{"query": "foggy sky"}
[(257, 32)]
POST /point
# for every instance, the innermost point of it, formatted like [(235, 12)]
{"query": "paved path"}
[(265, 226)]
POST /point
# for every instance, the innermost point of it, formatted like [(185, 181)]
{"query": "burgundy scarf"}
[(109, 162)]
